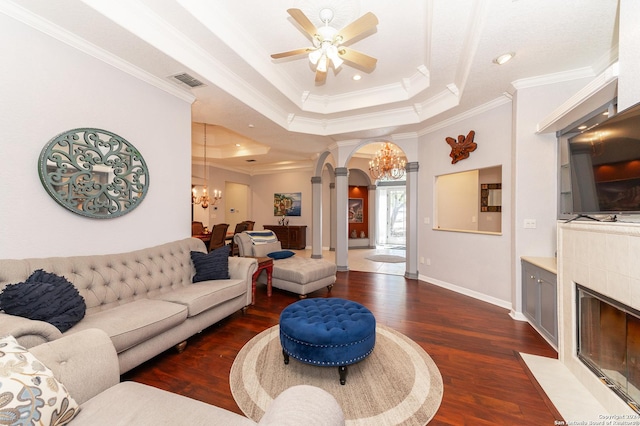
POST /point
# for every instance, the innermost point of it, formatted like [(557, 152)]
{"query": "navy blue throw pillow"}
[(211, 266), (45, 297), (282, 254)]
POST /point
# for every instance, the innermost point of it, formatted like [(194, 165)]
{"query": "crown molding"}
[(559, 77), (466, 115), (599, 91), (46, 27), (376, 96), (225, 28)]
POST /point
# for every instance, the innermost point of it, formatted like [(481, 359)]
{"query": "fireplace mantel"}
[(604, 257)]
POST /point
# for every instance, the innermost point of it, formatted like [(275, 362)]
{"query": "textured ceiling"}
[(434, 63)]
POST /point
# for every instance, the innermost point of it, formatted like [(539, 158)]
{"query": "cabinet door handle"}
[(539, 281), (532, 277)]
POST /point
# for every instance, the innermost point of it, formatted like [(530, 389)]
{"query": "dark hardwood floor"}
[(474, 344)]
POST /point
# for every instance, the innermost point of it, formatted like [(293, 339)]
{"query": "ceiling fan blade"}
[(304, 22), (364, 23), (321, 77), (365, 61), (295, 52)]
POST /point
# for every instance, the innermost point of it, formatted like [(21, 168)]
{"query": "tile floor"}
[(357, 260), (574, 401)]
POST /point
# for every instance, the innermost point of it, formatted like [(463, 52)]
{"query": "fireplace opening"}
[(609, 343)]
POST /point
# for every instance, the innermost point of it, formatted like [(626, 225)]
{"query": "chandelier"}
[(205, 199), (387, 163)]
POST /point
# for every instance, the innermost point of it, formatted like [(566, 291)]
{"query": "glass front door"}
[(391, 216)]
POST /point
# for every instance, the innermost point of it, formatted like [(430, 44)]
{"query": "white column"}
[(412, 221), (332, 220), (373, 219), (342, 217), (316, 217)]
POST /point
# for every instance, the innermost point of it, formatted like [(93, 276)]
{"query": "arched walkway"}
[(339, 192)]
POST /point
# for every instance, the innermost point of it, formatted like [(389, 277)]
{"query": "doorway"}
[(236, 203), (391, 208)]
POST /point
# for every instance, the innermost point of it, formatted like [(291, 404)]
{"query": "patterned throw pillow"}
[(29, 393), (211, 266)]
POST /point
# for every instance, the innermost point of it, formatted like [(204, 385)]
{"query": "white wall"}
[(218, 179), (475, 264), (263, 188), (535, 175), (628, 83), (49, 87)]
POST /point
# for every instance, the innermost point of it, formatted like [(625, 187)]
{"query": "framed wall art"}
[(356, 206), (287, 204)]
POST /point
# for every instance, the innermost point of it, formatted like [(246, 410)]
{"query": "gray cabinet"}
[(539, 299)]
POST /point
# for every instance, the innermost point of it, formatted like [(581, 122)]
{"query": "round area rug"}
[(398, 384), (387, 258)]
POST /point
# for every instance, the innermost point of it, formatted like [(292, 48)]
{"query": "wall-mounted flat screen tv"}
[(605, 166)]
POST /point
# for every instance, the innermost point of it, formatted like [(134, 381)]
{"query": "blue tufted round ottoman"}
[(327, 332)]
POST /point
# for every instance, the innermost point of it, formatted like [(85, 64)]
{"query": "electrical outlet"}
[(473, 219), (428, 262), (427, 220), (530, 223), (421, 259)]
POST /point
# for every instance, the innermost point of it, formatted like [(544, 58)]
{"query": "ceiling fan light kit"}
[(328, 49)]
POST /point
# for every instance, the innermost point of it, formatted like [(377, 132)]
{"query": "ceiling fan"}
[(328, 42)]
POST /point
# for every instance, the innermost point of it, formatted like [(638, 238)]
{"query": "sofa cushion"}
[(261, 250), (282, 254), (44, 297), (29, 392), (211, 266), (130, 403), (202, 296), (132, 323)]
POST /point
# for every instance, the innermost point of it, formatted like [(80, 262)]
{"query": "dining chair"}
[(218, 236), (240, 227), (197, 228), (250, 224)]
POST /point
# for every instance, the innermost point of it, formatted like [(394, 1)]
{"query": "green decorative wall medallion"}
[(93, 173)]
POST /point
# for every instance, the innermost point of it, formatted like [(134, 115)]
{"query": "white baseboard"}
[(467, 292), (518, 316)]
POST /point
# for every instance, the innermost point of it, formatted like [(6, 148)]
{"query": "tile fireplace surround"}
[(604, 257)]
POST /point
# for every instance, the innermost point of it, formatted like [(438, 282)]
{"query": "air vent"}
[(188, 80)]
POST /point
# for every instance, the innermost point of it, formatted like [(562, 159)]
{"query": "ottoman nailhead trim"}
[(326, 346), (330, 364)]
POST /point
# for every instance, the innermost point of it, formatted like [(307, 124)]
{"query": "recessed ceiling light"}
[(251, 126), (582, 127), (356, 77), (503, 59), (238, 145), (606, 113)]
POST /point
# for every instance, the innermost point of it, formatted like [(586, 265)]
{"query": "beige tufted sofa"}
[(144, 300), (87, 366)]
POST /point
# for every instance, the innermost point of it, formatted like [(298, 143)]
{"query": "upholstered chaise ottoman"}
[(297, 274), (327, 332)]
